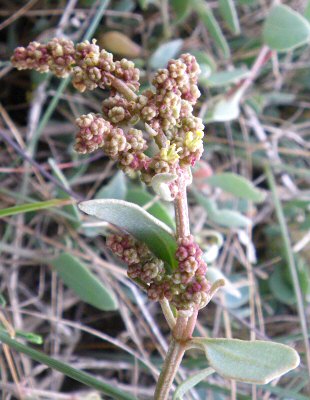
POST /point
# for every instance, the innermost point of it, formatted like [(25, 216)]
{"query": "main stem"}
[(183, 329)]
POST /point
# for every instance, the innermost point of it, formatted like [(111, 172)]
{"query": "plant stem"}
[(184, 327)]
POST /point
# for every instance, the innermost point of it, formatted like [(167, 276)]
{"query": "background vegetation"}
[(249, 199)]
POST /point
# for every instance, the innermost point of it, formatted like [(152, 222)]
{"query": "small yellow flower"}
[(193, 142), (170, 153)]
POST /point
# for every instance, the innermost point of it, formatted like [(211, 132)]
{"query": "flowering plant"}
[(174, 275)]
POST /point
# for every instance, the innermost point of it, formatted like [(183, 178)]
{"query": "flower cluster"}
[(89, 66), (186, 288), (167, 113), (125, 146), (142, 264), (166, 110)]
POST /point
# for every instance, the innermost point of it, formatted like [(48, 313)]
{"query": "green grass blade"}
[(24, 208), (290, 260), (66, 369), (205, 14)]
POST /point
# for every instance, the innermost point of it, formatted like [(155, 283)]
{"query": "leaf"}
[(181, 9), (226, 109), (191, 382), (280, 289), (207, 65), (119, 43), (115, 189), (207, 17), (133, 219), (141, 197), (214, 274), (164, 53), (307, 11), (236, 185), (229, 14), (257, 362), (223, 217), (86, 285), (285, 29), (80, 376), (160, 185), (224, 78), (29, 336), (71, 209), (40, 205)]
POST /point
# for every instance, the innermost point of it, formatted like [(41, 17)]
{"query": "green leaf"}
[(191, 382), (115, 189), (205, 14), (207, 65), (229, 14), (164, 53), (236, 185), (40, 205), (181, 9), (29, 336), (223, 217), (71, 209), (225, 78), (281, 290), (285, 29), (141, 197), (133, 219), (226, 109), (78, 278), (257, 362), (307, 11), (80, 376)]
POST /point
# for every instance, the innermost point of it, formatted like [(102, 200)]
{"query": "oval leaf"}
[(236, 185), (223, 217), (78, 278), (285, 29), (257, 362), (133, 219), (191, 382), (164, 53), (119, 43)]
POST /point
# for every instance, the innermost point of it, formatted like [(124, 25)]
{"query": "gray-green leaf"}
[(78, 278), (115, 189), (164, 53), (133, 219), (257, 362), (223, 217), (285, 29), (224, 78), (236, 185)]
